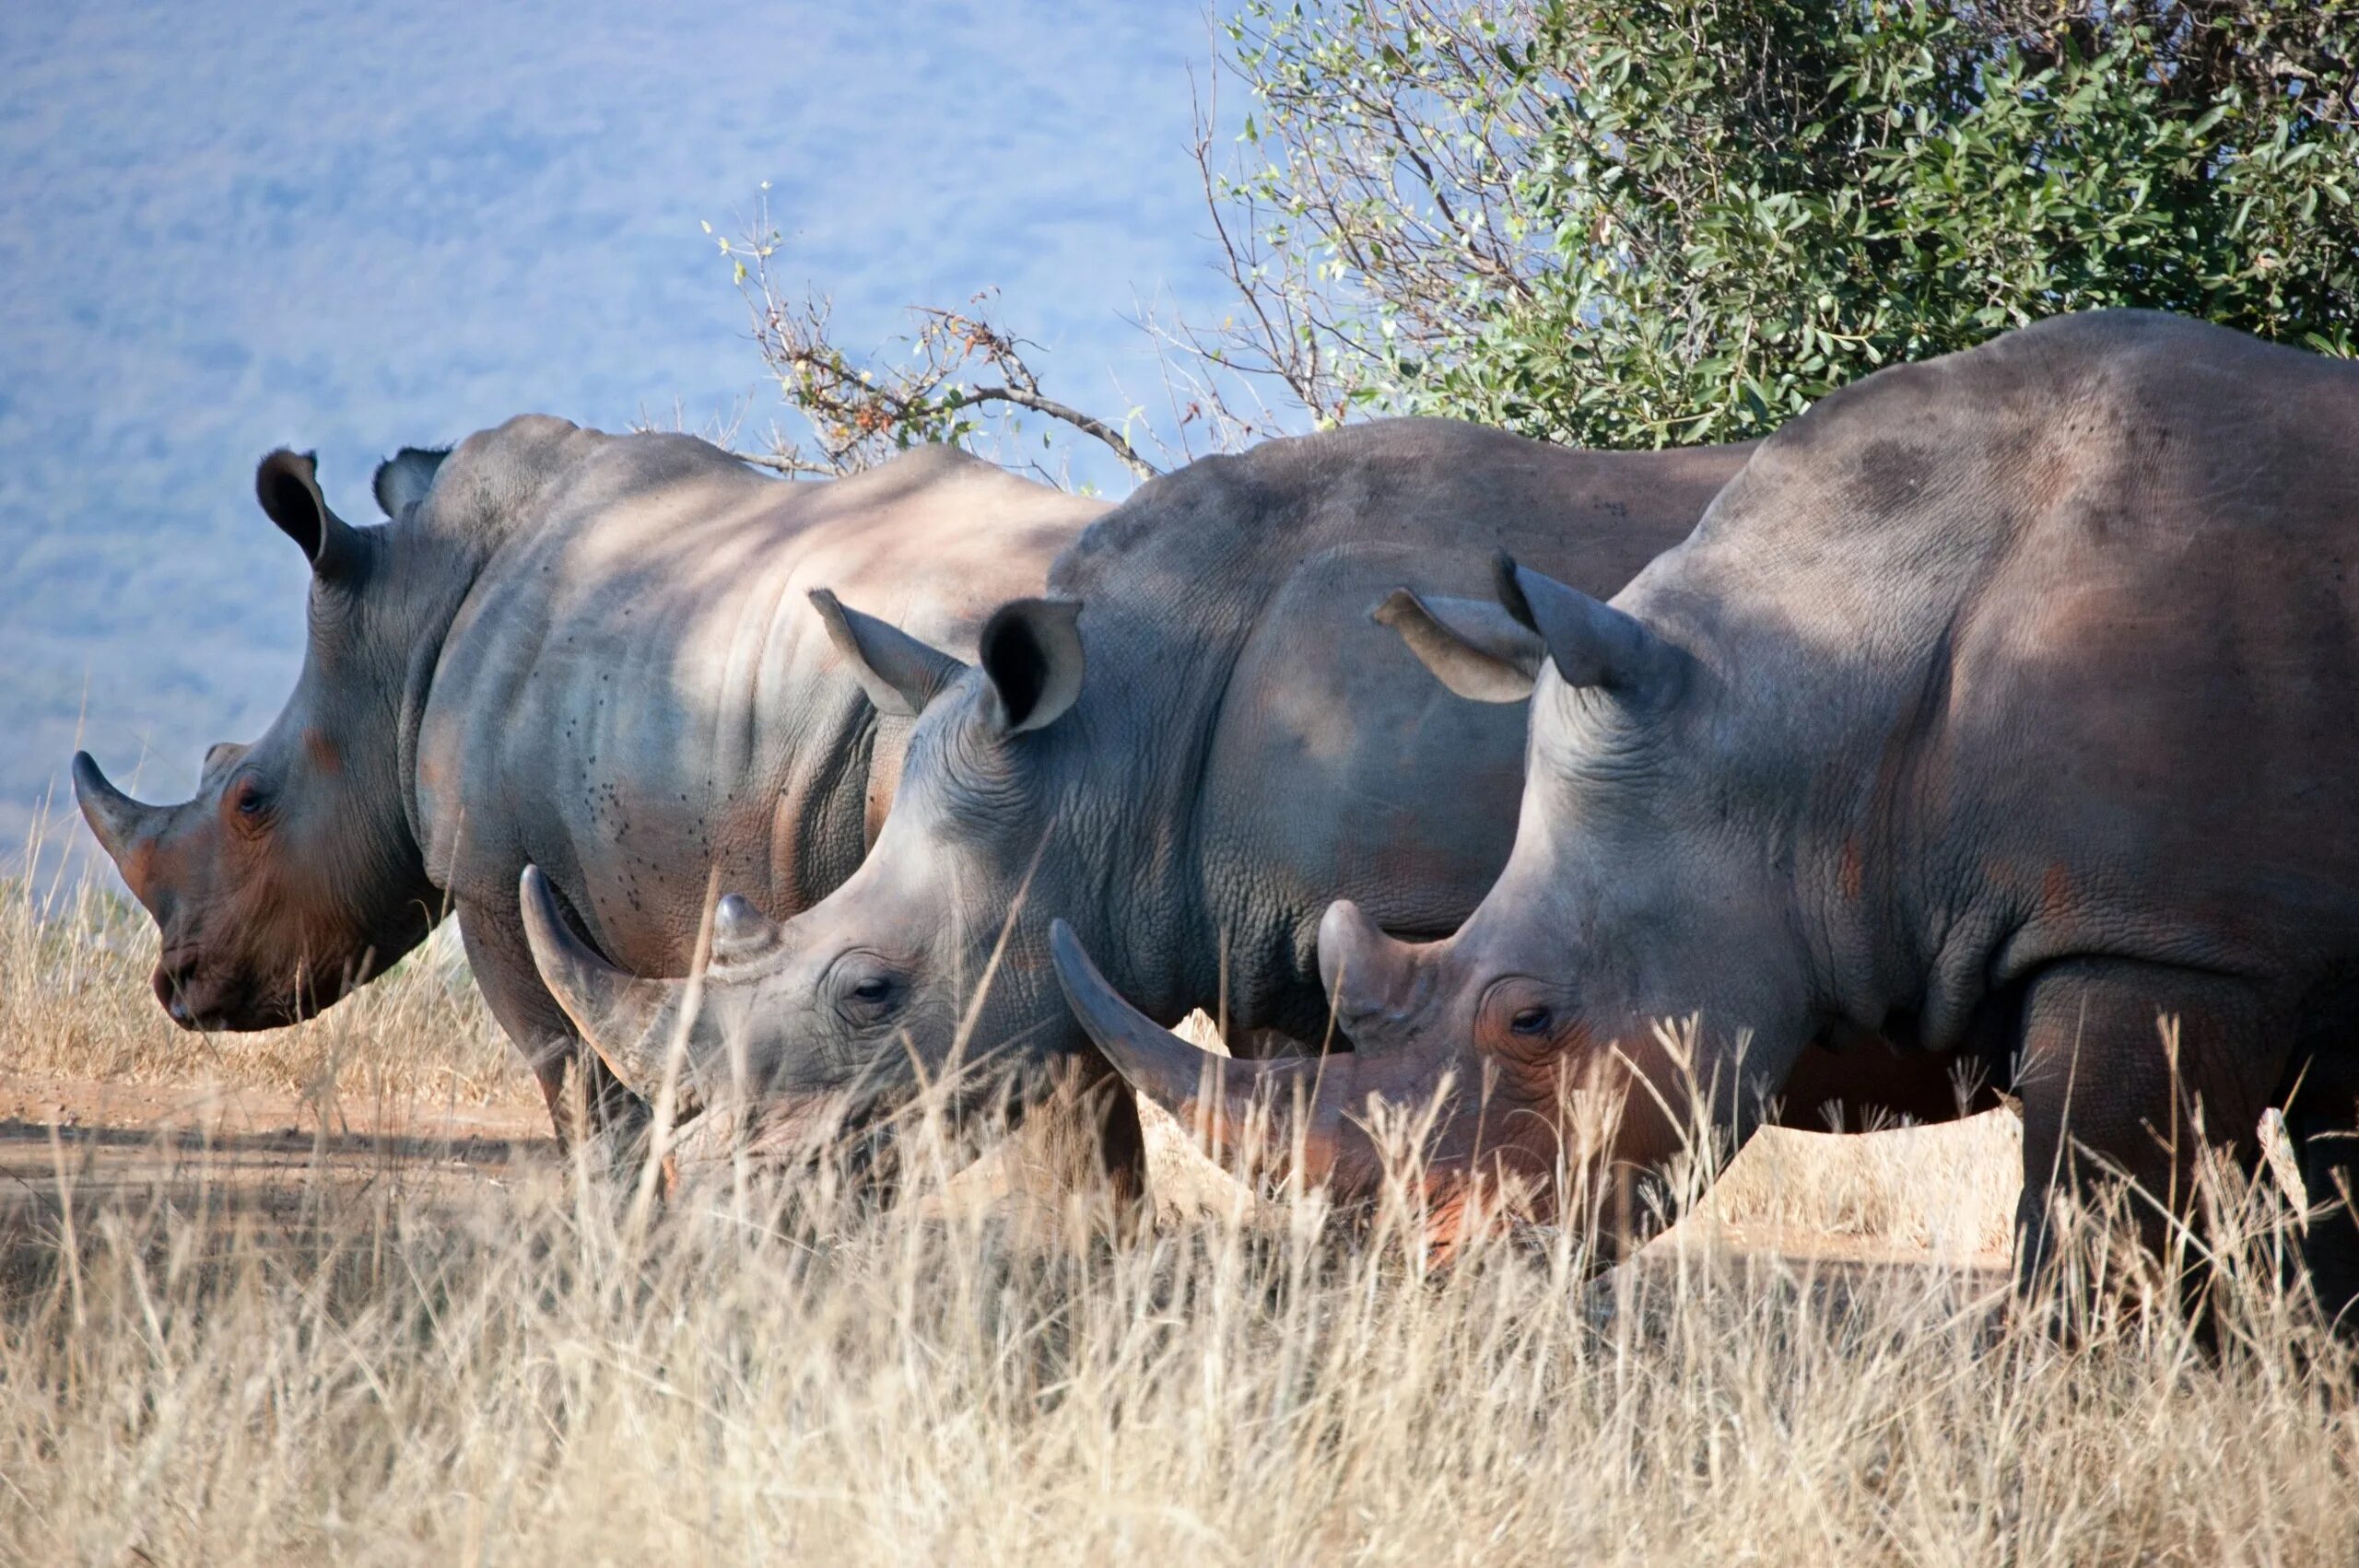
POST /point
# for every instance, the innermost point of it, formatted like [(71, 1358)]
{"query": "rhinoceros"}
[(2006, 705), (1188, 749), (585, 650)]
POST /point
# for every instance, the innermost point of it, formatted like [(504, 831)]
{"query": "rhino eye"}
[(869, 998), (1531, 1021)]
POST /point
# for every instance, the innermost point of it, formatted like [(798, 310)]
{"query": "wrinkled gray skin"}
[(587, 651), (1199, 740), (2004, 703)]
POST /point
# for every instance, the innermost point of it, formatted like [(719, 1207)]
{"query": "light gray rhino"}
[(2005, 704), (587, 651), (1187, 750)]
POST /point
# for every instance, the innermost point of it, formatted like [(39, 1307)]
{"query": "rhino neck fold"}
[(836, 798), (1144, 842), (464, 568), (1859, 774)]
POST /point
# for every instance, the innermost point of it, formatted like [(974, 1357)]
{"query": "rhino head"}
[(1640, 889), (292, 875), (928, 966)]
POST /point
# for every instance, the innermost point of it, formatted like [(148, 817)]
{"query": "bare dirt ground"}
[(116, 1145), (261, 1149)]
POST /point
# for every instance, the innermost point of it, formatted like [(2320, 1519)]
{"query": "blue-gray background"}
[(232, 226)]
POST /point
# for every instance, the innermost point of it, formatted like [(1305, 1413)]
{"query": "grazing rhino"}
[(584, 650), (2003, 705), (1188, 750)]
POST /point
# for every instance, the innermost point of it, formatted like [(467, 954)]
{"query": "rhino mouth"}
[(787, 1148), (868, 1145), (194, 1003), (203, 1000)]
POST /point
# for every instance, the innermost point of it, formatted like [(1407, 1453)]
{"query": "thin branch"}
[(859, 411), (782, 463), (1087, 424)]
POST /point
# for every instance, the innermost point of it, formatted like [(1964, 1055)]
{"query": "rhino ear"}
[(1472, 646), (1589, 641), (899, 674), (219, 757), (1031, 651), (403, 478), (288, 487)]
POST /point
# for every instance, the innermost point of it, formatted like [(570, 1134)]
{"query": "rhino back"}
[(2079, 609), (1302, 754), (638, 698)]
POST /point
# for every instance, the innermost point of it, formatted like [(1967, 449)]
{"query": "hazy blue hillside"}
[(231, 227)]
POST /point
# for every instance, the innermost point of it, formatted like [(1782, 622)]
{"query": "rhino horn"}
[(631, 1021), (116, 819), (1245, 1110), (740, 931), (1368, 974)]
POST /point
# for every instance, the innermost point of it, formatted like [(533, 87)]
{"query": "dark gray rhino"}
[(2005, 704), (1187, 750), (586, 651)]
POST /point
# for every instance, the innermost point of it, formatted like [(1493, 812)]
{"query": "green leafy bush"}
[(1633, 222)]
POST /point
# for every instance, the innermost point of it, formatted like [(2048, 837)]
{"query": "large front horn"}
[(631, 1021), (114, 818), (1224, 1101)]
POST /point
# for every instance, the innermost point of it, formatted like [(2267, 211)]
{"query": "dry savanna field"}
[(331, 1294)]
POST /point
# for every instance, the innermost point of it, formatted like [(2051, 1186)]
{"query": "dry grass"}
[(388, 1368)]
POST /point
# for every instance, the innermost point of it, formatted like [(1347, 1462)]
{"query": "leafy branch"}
[(961, 366)]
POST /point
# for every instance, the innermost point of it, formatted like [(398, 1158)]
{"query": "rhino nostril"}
[(171, 984), (1360, 999)]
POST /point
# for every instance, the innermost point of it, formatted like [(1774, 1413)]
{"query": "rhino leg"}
[(2103, 1096), (1110, 1112), (512, 989)]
